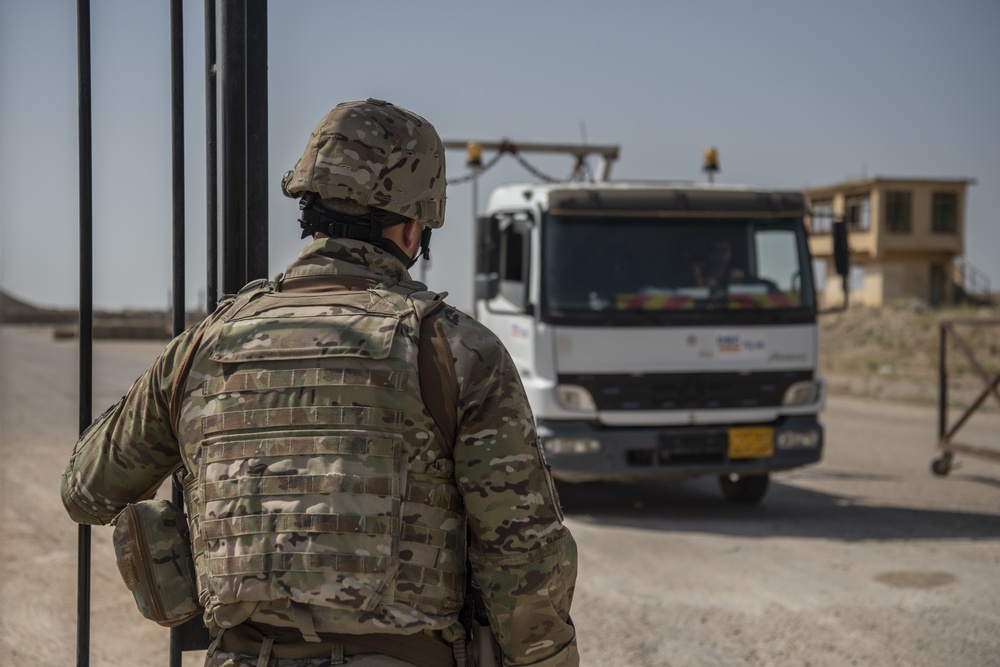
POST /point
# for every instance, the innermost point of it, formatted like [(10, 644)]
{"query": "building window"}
[(821, 217), (944, 213), (897, 211), (858, 213)]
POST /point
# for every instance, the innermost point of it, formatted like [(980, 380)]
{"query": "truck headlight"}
[(805, 439), (563, 445), (574, 397), (801, 393)]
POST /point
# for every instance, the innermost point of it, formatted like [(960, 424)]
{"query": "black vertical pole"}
[(942, 381), (256, 139), (177, 180), (212, 156), (86, 311), (177, 154), (233, 106)]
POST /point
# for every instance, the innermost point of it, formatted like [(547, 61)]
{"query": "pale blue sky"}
[(793, 93)]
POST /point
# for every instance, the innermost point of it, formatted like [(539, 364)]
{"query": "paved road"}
[(864, 559)]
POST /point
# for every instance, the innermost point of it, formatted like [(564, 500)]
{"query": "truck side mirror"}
[(487, 286), (841, 251), (841, 262), (487, 245)]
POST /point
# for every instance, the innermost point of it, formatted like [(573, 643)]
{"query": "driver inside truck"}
[(717, 271)]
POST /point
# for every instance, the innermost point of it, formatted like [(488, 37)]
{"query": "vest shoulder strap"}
[(438, 379)]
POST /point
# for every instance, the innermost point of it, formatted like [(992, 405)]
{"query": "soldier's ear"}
[(411, 235)]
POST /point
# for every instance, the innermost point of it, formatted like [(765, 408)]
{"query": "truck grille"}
[(687, 391)]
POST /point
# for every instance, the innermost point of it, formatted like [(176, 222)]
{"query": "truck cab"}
[(661, 330)]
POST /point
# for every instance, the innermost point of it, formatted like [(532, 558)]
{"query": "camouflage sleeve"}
[(128, 451), (522, 555)]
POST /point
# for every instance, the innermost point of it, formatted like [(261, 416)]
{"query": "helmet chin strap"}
[(316, 218), (425, 244), (390, 246)]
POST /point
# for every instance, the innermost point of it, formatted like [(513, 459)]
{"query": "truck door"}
[(506, 306)]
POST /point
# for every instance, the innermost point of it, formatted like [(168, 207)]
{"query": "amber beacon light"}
[(710, 163), (474, 155)]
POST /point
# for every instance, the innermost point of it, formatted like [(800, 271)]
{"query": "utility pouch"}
[(154, 558)]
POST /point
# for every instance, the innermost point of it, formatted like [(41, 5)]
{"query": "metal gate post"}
[(943, 379), (243, 121), (211, 158), (256, 139), (86, 311), (232, 65), (193, 633), (177, 159)]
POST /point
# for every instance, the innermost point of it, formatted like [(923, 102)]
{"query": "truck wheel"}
[(744, 489)]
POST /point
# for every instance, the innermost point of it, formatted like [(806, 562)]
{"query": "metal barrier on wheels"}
[(946, 431)]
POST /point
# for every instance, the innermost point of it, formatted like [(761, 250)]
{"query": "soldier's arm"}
[(522, 555), (128, 451)]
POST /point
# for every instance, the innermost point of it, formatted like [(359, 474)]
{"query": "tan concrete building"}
[(907, 238)]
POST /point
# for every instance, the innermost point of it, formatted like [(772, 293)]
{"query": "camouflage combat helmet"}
[(376, 154)]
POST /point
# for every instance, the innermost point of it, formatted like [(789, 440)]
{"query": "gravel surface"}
[(864, 559)]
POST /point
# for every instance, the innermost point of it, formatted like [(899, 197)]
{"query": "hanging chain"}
[(472, 174), (580, 170)]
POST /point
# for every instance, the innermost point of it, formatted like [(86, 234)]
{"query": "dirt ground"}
[(892, 352), (852, 562)]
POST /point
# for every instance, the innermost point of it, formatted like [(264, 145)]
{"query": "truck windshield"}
[(623, 267)]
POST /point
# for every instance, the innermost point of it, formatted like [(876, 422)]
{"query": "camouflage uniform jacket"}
[(522, 556)]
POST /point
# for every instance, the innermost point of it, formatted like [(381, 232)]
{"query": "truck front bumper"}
[(579, 451)]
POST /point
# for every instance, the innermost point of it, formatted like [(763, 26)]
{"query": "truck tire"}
[(744, 489)]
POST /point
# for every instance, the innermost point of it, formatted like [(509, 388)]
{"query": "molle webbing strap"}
[(249, 420), (274, 485), (308, 377), (254, 564)]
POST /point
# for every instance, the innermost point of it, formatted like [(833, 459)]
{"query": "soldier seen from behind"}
[(355, 453)]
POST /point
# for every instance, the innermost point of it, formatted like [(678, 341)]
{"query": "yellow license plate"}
[(752, 442)]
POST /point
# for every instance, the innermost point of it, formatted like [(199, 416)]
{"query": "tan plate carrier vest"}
[(320, 476)]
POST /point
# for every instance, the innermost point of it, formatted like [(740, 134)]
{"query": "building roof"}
[(870, 181)]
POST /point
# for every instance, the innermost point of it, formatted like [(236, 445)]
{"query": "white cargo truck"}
[(661, 330)]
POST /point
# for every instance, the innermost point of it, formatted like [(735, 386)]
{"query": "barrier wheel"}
[(941, 466)]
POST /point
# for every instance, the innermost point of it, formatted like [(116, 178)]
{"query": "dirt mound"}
[(14, 310)]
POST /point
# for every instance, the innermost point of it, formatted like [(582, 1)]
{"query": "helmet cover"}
[(376, 154)]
